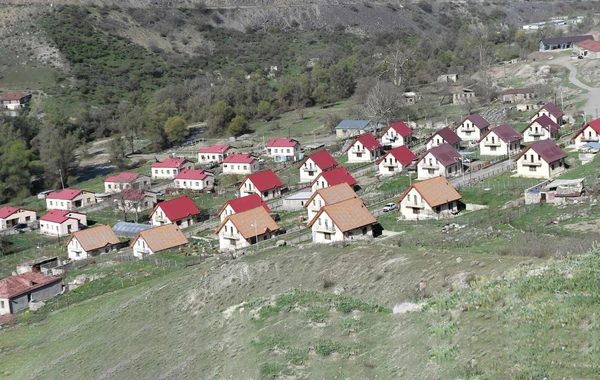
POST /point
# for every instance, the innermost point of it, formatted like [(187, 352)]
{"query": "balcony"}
[(538, 133), (309, 169), (389, 164), (429, 165), (325, 228), (492, 143), (230, 235), (589, 139), (529, 163), (414, 205)]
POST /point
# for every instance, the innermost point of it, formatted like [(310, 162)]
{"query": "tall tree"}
[(176, 130), (15, 178), (58, 153), (118, 152)]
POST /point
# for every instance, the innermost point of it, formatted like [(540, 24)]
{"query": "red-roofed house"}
[(134, 200), (472, 127), (117, 183), (543, 159), (282, 149), (11, 216), (266, 184), (333, 177), (213, 153), (502, 140), (590, 132), (62, 222), (69, 199), (364, 149), (169, 168), (237, 163), (314, 164), (14, 101), (17, 291), (395, 160), (443, 160), (587, 48), (397, 134), (196, 180), (242, 204), (181, 211), (542, 128), (444, 136), (551, 111)]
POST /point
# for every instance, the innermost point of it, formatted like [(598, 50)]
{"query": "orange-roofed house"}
[(70, 199), (316, 163), (122, 181), (213, 153), (62, 222), (429, 199), (395, 160), (328, 196), (195, 180), (365, 148), (243, 229), (266, 184), (590, 132), (397, 134), (14, 101), (345, 220), (11, 216), (157, 239), (181, 211), (92, 242), (283, 149), (169, 168), (17, 291), (237, 163)]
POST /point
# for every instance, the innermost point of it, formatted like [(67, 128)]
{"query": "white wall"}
[(234, 168), (501, 147), (543, 170), (76, 252), (587, 135), (389, 135), (324, 231), (429, 167), (467, 131), (58, 229), (207, 183), (309, 171), (141, 249), (536, 128), (358, 153), (84, 199), (21, 216), (277, 153), (205, 158), (389, 166), (413, 201)]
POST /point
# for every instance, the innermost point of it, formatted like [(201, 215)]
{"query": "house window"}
[(415, 211), (27, 218), (198, 184), (493, 148), (1, 304), (532, 169), (327, 236), (110, 186)]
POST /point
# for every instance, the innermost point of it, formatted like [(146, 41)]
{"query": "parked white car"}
[(390, 207)]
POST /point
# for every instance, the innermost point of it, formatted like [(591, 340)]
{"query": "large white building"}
[(62, 222), (195, 180), (213, 153), (283, 149)]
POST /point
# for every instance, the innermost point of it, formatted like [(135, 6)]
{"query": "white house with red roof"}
[(397, 134), (213, 153), (169, 168), (542, 128), (444, 136), (550, 110), (543, 159), (117, 183), (181, 211), (442, 160), (316, 163), (502, 140), (62, 222), (70, 199), (17, 291), (590, 132), (395, 160), (11, 216), (333, 177), (242, 204), (266, 184), (237, 163), (472, 127), (14, 101), (282, 149), (134, 200), (195, 180), (365, 148)]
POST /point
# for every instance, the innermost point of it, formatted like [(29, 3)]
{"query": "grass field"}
[(18, 73)]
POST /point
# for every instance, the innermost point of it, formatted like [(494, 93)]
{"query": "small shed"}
[(296, 201), (129, 230)]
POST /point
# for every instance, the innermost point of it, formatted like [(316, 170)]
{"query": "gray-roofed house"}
[(562, 43), (350, 128)]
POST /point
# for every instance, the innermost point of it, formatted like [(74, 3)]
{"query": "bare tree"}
[(383, 101), (397, 61), (480, 37), (130, 202)]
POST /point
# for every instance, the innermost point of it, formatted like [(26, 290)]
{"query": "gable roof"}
[(177, 208), (245, 203), (123, 177), (566, 40), (333, 194), (135, 194), (197, 174), (594, 124), (95, 237), (353, 124), (404, 155), (401, 128), (347, 215), (282, 142), (239, 158), (220, 149), (547, 149), (368, 141), (170, 163), (336, 176), (504, 132), (546, 123), (58, 216), (263, 181), (7, 211), (65, 194), (447, 134), (590, 45), (552, 110), (245, 222), (477, 121), (13, 286), (160, 238), (444, 153), (322, 159), (435, 191), (7, 97)]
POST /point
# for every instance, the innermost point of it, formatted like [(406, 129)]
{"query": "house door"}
[(543, 198)]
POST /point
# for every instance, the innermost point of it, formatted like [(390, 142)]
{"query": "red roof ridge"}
[(263, 181), (177, 208)]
